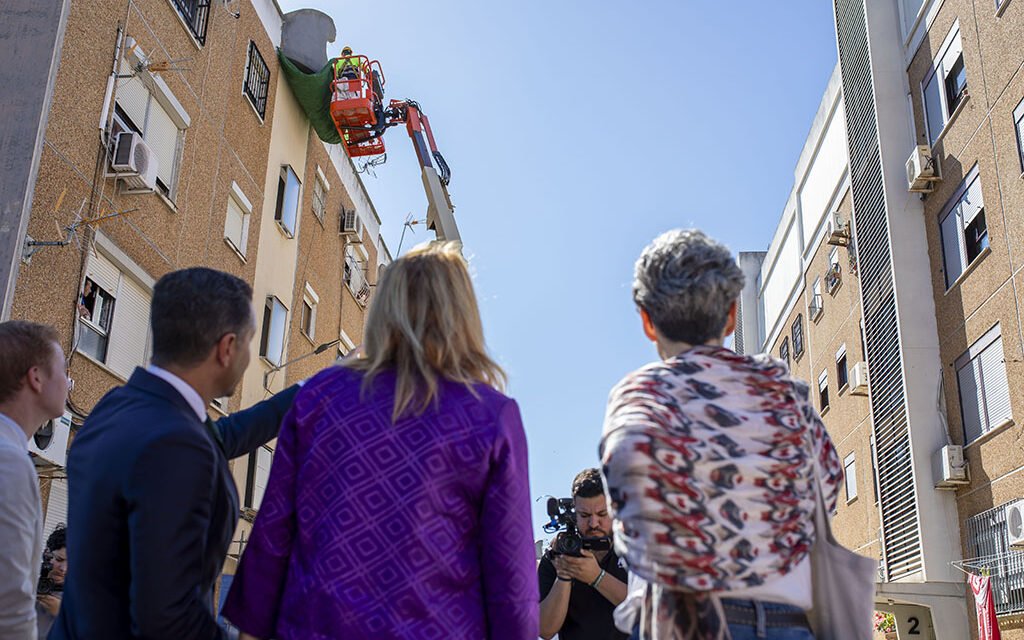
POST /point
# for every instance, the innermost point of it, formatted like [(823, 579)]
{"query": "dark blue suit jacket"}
[(152, 509)]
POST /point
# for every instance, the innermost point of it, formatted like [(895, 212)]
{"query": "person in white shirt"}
[(33, 389)]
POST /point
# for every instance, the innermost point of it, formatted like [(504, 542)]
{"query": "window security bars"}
[(196, 14)]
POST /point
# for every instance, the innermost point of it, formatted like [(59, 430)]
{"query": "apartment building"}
[(917, 300), (174, 141), (802, 305)]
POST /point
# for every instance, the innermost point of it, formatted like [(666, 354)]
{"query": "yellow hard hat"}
[(347, 51)]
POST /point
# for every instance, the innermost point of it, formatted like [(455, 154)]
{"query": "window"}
[(113, 315), (984, 390), (236, 223), (354, 274), (346, 345), (945, 87), (221, 404), (988, 540), (798, 337), (137, 109), (257, 80), (319, 195), (963, 228), (817, 303), (95, 312), (784, 350), (272, 335), (823, 390), (842, 373), (259, 474), (307, 321), (286, 212), (196, 15), (850, 474), (1018, 120)]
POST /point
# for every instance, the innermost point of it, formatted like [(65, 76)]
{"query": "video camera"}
[(569, 542), (46, 584)]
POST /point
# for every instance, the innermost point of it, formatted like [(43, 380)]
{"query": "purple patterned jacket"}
[(421, 529)]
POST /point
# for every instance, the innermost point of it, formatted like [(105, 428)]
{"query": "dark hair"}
[(194, 308), (588, 484), (58, 539), (24, 345)]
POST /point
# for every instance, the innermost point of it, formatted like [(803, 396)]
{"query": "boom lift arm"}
[(434, 169)]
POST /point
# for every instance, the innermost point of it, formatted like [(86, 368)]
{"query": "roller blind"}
[(133, 98), (162, 135), (984, 389), (236, 226), (129, 335)]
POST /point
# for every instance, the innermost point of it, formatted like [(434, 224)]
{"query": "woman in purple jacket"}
[(398, 502)]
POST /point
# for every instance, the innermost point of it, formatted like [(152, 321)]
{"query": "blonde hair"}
[(424, 324)]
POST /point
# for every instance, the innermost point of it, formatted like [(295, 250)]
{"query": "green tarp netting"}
[(313, 91)]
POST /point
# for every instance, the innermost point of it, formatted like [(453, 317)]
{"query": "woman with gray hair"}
[(710, 461)]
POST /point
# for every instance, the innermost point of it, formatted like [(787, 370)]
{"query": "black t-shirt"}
[(590, 614)]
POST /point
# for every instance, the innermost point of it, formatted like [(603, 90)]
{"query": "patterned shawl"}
[(709, 478)]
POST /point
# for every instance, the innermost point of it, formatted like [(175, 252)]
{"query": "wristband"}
[(561, 579), (597, 580)]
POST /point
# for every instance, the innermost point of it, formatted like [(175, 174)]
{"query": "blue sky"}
[(577, 132)]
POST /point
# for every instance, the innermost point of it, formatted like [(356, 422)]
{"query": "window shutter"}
[(955, 50), (56, 506), (263, 460), (162, 135), (933, 107), (954, 254), (275, 338), (129, 335), (971, 202), (133, 98), (971, 402), (103, 272), (234, 226), (1018, 118), (995, 387)]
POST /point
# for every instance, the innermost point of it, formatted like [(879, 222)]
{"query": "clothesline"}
[(998, 564)]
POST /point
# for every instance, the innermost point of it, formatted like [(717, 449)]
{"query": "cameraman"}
[(579, 594), (51, 580)]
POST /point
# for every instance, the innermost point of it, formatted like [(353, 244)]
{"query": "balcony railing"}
[(196, 14)]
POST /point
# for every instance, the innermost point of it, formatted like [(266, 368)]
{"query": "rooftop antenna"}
[(409, 224), (70, 232)]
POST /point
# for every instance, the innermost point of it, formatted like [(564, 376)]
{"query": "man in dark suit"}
[(153, 505)]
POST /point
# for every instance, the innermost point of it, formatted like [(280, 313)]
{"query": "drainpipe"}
[(109, 93)]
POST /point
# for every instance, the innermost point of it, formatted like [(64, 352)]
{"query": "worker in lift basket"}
[(346, 66)]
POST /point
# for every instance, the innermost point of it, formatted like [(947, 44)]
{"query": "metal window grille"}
[(987, 539), (784, 350), (900, 525), (257, 80), (196, 14)]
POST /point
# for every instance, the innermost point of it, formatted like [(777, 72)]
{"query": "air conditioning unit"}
[(840, 234), (922, 169), (51, 441), (1015, 524), (134, 162), (949, 467), (351, 225), (859, 379)]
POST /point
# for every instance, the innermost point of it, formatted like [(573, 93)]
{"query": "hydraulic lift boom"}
[(435, 171)]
